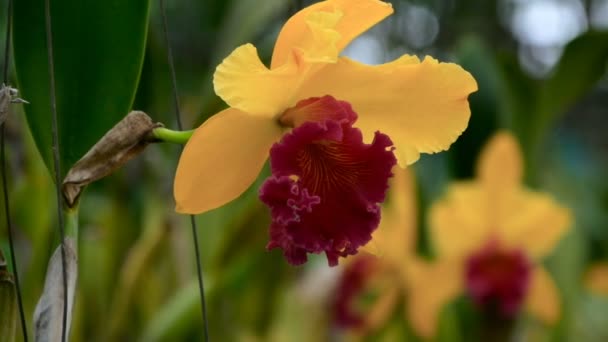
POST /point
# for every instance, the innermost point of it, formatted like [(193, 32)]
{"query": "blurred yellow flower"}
[(421, 105), (596, 279), (392, 269), (495, 232), (490, 235)]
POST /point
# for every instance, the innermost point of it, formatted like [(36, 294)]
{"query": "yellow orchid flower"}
[(490, 235), (496, 232), (596, 279), (381, 266), (304, 106), (392, 269)]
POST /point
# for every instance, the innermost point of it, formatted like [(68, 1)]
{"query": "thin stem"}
[(9, 225), (168, 135), (71, 222), (7, 211), (7, 43), (197, 252), (56, 163)]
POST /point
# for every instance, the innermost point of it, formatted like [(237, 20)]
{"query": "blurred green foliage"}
[(137, 270)]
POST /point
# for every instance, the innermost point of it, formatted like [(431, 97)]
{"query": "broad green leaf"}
[(98, 55), (583, 63), (518, 97)]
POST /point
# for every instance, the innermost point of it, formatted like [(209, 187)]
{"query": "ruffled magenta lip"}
[(498, 279), (326, 184)]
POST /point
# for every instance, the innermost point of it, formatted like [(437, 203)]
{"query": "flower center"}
[(317, 109), (326, 184), (498, 279)]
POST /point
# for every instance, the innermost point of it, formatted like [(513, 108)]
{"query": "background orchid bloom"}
[(421, 105), (382, 267), (392, 269), (497, 232), (596, 279)]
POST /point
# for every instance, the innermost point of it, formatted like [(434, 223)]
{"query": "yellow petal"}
[(536, 223), (222, 159), (354, 18), (402, 203), (320, 44), (500, 165), (459, 222), (596, 279), (431, 286), (395, 237), (421, 106), (382, 308), (542, 299), (245, 83)]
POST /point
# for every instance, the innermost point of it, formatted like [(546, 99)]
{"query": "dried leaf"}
[(8, 95), (124, 141), (8, 303), (48, 316)]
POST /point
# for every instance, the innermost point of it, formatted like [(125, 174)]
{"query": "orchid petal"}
[(459, 222), (355, 17), (422, 106), (596, 279), (536, 224), (395, 237), (542, 298), (431, 287), (222, 159), (245, 83), (500, 164)]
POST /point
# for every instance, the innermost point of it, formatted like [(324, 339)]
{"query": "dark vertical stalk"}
[(56, 163), (7, 42), (7, 210), (10, 232), (197, 253)]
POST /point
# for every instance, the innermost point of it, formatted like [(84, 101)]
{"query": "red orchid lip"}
[(498, 279), (326, 184)]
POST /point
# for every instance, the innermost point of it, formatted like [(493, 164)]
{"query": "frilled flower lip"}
[(326, 186), (498, 279), (421, 104)]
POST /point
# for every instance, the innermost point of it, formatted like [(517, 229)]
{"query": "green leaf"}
[(583, 63), (518, 97), (98, 54)]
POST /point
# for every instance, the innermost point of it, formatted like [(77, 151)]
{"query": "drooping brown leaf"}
[(121, 143), (8, 95)]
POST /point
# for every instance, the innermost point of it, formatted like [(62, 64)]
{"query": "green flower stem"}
[(71, 222), (167, 135)]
